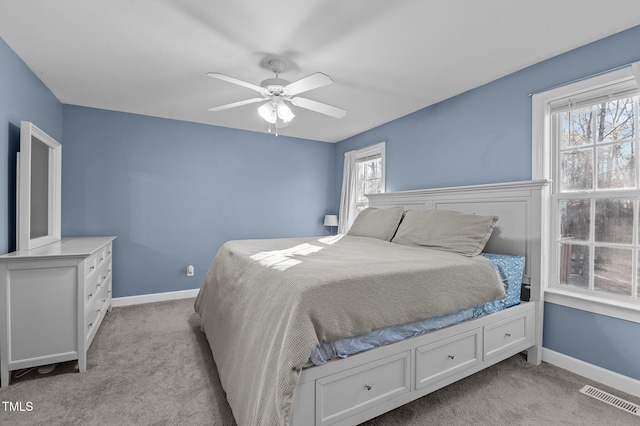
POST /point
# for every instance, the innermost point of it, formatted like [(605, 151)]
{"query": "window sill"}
[(612, 308)]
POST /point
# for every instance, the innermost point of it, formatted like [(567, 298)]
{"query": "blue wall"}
[(23, 97), (613, 344), (173, 192), (484, 136)]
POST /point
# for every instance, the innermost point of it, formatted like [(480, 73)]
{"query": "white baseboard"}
[(156, 297), (593, 372)]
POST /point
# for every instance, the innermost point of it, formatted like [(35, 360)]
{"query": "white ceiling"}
[(387, 58)]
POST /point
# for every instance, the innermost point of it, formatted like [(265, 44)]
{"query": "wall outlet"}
[(190, 271)]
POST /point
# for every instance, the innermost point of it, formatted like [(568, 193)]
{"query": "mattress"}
[(284, 297), (510, 269)]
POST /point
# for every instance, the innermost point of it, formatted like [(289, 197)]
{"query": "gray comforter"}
[(265, 304)]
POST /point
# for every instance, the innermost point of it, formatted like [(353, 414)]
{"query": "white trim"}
[(635, 68), (592, 303), (592, 372), (156, 297)]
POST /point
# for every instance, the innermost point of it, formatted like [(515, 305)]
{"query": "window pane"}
[(574, 265), (575, 219), (577, 170), (612, 270), (614, 221), (615, 120), (616, 166), (361, 191), (373, 169), (576, 127), (361, 171)]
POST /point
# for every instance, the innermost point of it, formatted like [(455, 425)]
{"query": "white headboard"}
[(520, 229), (518, 206)]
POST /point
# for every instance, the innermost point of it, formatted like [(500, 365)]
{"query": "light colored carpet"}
[(151, 365)]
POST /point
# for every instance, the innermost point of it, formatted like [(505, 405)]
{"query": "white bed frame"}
[(363, 386)]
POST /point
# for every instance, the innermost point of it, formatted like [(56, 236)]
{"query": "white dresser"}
[(52, 301)]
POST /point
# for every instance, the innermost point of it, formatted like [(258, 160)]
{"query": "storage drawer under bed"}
[(441, 359), (349, 392)]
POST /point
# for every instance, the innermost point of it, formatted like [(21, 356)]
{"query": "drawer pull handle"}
[(507, 334), (90, 325), (101, 259), (451, 357), (368, 387), (98, 285), (90, 295), (92, 268)]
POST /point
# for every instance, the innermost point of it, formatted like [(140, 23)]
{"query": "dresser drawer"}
[(94, 313), (90, 267), (103, 257), (439, 360), (349, 392), (508, 334), (92, 288)]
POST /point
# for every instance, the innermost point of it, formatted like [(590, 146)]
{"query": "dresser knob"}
[(92, 268), (507, 334), (90, 295), (368, 387), (451, 356), (90, 325)]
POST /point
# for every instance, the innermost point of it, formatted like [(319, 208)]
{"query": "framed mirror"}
[(38, 188)]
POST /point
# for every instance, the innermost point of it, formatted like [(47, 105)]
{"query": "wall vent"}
[(611, 400)]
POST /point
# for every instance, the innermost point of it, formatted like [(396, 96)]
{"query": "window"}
[(363, 174), (586, 140), (369, 178), (596, 196)]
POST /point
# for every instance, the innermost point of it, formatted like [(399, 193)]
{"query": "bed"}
[(266, 304)]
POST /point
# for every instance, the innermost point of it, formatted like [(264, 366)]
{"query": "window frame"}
[(363, 154), (544, 166)]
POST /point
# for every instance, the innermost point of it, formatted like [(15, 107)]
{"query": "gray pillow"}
[(457, 232), (377, 223)]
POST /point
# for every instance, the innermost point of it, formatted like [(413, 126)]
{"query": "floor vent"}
[(611, 400)]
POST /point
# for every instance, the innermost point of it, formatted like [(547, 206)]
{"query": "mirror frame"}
[(28, 131)]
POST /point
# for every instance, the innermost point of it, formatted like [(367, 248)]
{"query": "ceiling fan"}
[(276, 91)]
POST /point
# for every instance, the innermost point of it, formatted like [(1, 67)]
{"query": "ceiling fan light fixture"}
[(284, 112), (268, 112)]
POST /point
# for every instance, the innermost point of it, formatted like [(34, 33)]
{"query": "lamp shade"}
[(285, 113), (268, 112), (330, 220)]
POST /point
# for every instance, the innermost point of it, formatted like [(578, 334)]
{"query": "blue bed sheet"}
[(510, 269)]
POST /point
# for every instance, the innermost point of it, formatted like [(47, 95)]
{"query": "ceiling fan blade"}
[(237, 104), (236, 81), (308, 83), (329, 110)]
